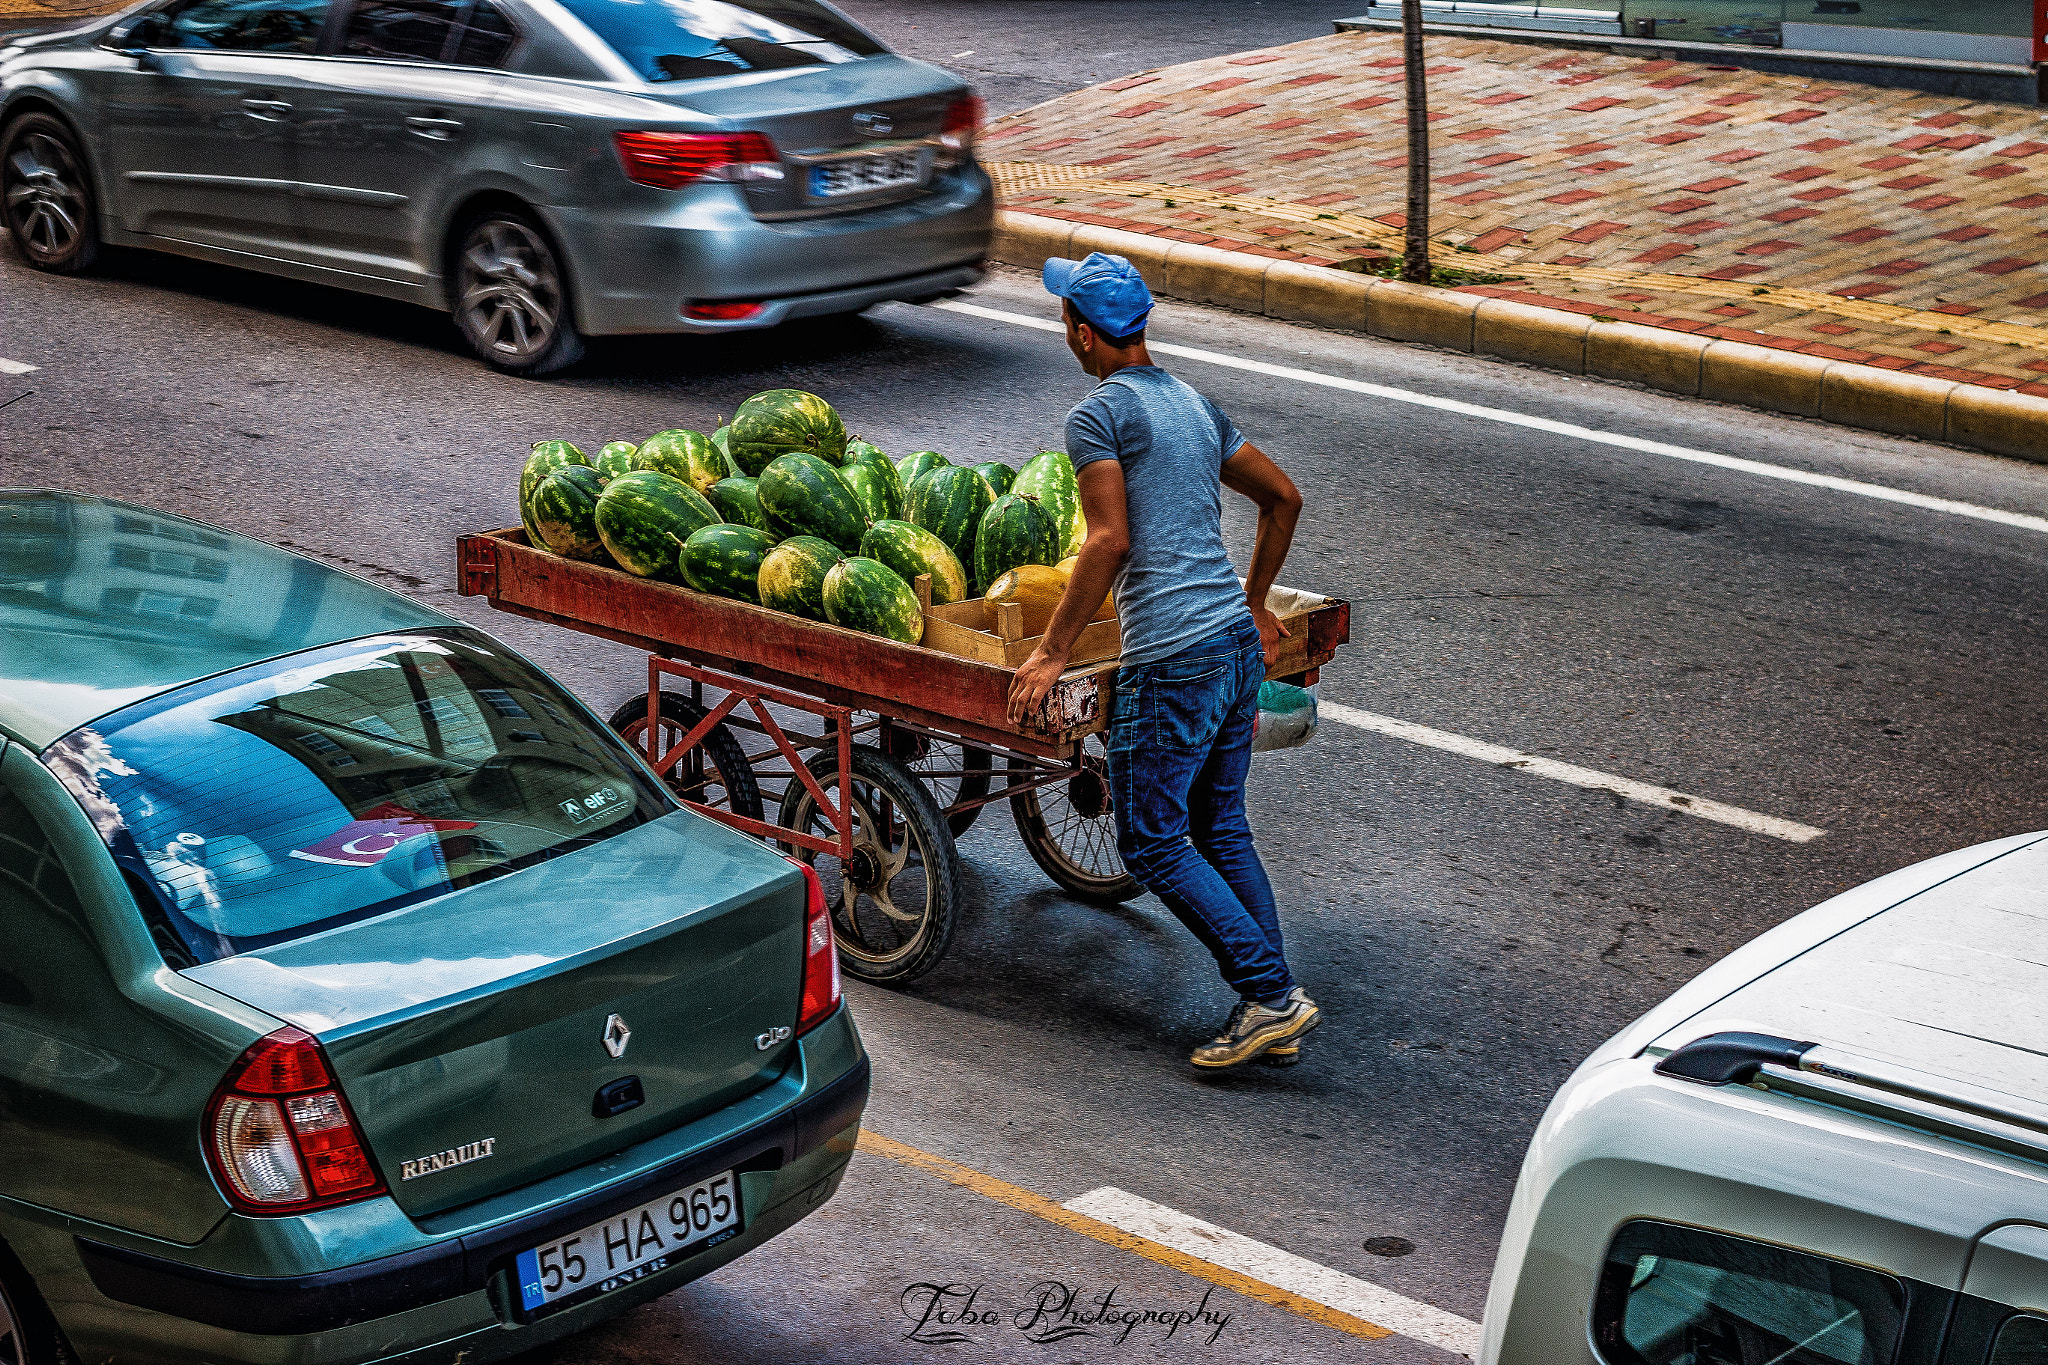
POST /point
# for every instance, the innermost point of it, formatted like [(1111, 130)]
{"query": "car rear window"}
[(1679, 1296), (681, 40), (280, 800)]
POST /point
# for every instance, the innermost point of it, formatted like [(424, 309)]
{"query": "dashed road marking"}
[(1200, 1266), (1537, 766), (1333, 1289), (1783, 473), (15, 367)]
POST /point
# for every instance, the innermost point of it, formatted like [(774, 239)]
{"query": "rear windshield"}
[(280, 800), (684, 40)]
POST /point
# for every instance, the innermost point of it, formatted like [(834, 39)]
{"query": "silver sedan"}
[(545, 170)]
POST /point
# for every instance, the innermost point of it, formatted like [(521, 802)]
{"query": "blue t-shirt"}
[(1177, 585)]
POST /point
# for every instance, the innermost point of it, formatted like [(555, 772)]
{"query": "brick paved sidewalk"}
[(1892, 227)]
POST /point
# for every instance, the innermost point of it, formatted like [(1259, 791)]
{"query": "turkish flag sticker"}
[(364, 841)]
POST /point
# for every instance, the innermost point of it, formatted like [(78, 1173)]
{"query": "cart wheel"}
[(715, 773), (949, 757), (895, 901), (1070, 830)]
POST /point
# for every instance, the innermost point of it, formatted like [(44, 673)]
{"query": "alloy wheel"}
[(46, 203), (13, 1350), (509, 292)]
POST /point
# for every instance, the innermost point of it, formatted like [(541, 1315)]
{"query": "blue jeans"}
[(1180, 743)]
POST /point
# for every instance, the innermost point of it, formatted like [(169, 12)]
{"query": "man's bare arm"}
[(1252, 473), (1095, 568)]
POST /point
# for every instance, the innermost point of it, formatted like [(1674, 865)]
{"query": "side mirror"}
[(131, 39)]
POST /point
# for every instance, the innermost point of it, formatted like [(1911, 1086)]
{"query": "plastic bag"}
[(1287, 717)]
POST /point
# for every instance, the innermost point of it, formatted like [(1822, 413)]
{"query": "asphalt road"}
[(1863, 667), (1019, 52)]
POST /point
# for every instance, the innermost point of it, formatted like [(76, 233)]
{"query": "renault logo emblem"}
[(873, 124), (616, 1036)]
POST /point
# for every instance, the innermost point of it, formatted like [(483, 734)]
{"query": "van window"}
[(1678, 1296), (2023, 1340)]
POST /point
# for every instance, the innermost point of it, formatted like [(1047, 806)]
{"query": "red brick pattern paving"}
[(1924, 201)]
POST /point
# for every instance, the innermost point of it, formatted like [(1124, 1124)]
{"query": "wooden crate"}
[(963, 629)]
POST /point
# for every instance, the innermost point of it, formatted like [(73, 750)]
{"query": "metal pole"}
[(1415, 254)]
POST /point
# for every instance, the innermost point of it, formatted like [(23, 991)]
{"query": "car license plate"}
[(858, 175), (630, 1246)]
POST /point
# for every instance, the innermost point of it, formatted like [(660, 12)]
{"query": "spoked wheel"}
[(954, 772), (715, 773), (895, 901), (48, 196), (511, 296), (1070, 830)]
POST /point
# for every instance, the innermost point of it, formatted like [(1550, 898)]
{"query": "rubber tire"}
[(942, 864), (85, 252), (39, 1341), (743, 792), (1069, 876), (566, 348)]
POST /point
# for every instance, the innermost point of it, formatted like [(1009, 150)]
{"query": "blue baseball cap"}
[(1107, 291)]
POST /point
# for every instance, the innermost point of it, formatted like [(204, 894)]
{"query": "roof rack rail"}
[(1919, 1098)]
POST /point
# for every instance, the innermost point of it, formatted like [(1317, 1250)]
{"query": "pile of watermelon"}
[(781, 508)]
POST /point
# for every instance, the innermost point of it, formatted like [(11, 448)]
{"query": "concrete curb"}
[(1865, 396)]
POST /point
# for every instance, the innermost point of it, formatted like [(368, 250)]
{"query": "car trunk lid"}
[(470, 1031), (878, 107)]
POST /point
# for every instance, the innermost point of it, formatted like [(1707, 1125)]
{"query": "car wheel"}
[(48, 195), (511, 296), (28, 1334)]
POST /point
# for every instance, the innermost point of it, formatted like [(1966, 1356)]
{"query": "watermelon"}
[(801, 495), (874, 487), (1049, 475), (722, 438), (858, 448), (547, 457), (911, 550), (949, 502), (738, 502), (779, 421), (792, 575), (862, 594), (911, 468), (999, 475), (642, 515), (725, 560), (615, 459), (1015, 530), (685, 455), (565, 511)]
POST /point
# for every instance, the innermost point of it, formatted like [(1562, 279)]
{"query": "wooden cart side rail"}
[(724, 633)]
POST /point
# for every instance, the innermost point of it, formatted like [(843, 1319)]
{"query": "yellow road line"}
[(1041, 1207), (1011, 176)]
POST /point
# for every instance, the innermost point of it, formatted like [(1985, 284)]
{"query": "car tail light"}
[(821, 955), (713, 310), (669, 161), (962, 126), (280, 1134)]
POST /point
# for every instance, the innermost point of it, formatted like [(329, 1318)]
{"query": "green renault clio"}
[(362, 997)]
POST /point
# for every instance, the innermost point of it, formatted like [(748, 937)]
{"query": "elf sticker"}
[(364, 841)]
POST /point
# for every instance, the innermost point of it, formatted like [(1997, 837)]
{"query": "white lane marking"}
[(1502, 756), (14, 367), (1283, 1270), (1707, 457), (958, 55)]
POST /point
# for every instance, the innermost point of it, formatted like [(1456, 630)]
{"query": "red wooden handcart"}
[(877, 755)]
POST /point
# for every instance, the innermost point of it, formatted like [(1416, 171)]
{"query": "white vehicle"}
[(1830, 1148)]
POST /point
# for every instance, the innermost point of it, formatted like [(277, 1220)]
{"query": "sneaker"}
[(1284, 1055), (1253, 1029)]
